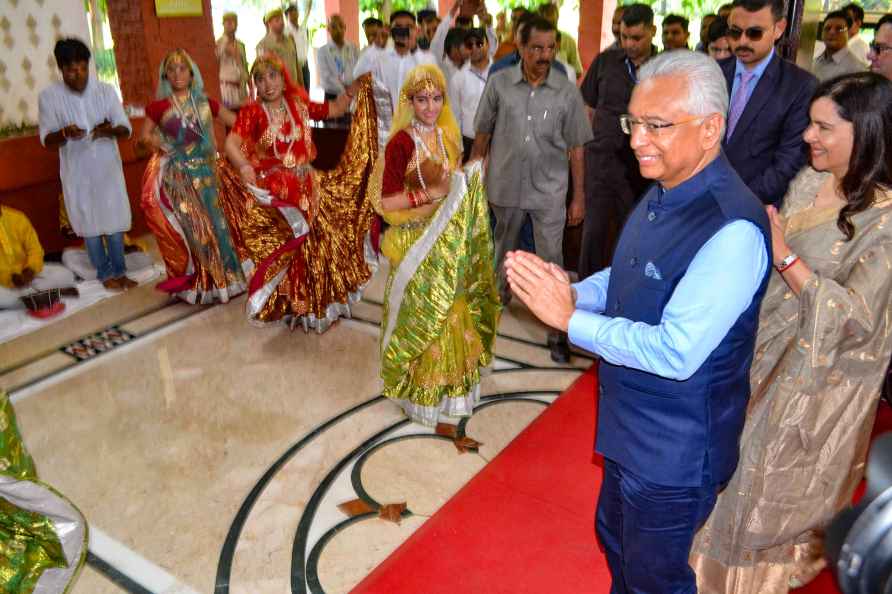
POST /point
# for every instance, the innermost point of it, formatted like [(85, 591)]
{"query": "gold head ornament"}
[(177, 56), (422, 80), (263, 64)]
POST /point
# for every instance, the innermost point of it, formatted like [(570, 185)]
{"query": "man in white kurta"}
[(389, 68), (84, 118)]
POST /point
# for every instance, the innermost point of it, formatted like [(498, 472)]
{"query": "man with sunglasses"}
[(769, 101), (837, 59), (448, 42), (467, 85), (880, 54)]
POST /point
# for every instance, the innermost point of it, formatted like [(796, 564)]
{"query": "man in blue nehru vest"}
[(673, 321)]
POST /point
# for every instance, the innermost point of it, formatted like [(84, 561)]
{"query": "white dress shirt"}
[(301, 42), (336, 66), (859, 47), (438, 47), (842, 62), (465, 91), (368, 57)]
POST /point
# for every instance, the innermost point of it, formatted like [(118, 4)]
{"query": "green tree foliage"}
[(687, 8), (374, 6)]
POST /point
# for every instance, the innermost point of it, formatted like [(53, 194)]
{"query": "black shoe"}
[(560, 348)]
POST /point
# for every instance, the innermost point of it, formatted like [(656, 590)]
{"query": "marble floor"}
[(211, 456)]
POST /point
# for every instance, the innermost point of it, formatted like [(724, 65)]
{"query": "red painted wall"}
[(349, 11), (594, 28), (142, 40)]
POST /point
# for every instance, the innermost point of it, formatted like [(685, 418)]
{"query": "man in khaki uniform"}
[(281, 45)]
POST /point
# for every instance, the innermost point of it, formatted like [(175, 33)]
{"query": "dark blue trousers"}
[(647, 531)]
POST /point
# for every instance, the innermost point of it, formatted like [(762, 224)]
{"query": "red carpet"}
[(525, 523)]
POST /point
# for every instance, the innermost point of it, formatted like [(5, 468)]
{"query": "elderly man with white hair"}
[(673, 321)]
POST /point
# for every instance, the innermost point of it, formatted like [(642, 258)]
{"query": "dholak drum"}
[(48, 303)]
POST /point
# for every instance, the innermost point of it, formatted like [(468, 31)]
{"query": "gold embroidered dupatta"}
[(818, 369)]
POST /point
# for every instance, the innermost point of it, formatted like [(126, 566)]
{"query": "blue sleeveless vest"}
[(678, 433)]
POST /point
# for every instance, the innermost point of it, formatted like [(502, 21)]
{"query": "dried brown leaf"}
[(355, 507), (392, 512)]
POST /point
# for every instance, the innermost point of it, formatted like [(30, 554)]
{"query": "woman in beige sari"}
[(825, 336)]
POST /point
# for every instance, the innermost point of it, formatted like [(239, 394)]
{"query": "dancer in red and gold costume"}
[(304, 230)]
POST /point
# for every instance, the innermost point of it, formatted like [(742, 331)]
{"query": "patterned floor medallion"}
[(98, 343), (213, 456)]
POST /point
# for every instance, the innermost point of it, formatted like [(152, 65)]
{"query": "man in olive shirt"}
[(613, 182), (281, 45), (530, 118)]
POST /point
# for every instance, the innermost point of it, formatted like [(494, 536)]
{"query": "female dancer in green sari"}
[(441, 305)]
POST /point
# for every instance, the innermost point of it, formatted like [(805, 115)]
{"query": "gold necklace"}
[(288, 160)]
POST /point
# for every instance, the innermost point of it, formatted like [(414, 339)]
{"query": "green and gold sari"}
[(441, 305), (43, 536)]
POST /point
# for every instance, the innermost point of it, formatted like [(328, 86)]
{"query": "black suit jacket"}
[(766, 148)]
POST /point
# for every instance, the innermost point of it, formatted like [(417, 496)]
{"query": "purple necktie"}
[(738, 102)]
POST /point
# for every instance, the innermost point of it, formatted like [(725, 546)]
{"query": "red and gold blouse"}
[(281, 158), (264, 148)]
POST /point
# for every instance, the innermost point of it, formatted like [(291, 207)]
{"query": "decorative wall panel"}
[(28, 31)]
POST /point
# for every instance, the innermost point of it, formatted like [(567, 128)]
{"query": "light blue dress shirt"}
[(716, 289), (758, 71)]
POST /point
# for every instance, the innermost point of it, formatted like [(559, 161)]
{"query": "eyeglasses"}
[(754, 33), (834, 29), (879, 48), (473, 43), (628, 124)]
